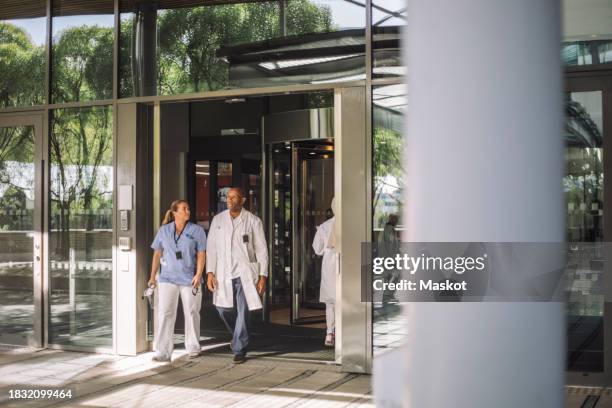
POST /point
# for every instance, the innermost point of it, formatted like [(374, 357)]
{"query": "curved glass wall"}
[(81, 227), (199, 48), (82, 50), (22, 53)]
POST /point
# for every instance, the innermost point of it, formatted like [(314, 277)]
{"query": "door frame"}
[(35, 119), (352, 191), (585, 82)]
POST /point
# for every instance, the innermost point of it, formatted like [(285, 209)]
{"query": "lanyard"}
[(176, 240)]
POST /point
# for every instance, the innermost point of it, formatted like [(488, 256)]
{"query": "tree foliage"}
[(22, 68), (80, 146), (387, 166), (83, 64)]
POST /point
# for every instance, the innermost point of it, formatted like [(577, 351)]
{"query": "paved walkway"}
[(98, 380)]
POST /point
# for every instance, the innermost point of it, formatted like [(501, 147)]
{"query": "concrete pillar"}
[(484, 163)]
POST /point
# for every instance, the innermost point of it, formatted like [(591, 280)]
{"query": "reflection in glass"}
[(16, 234), (389, 104), (180, 50), (583, 185), (224, 183), (251, 184), (22, 54), (82, 51), (315, 186), (587, 52), (202, 192), (587, 33), (80, 226), (281, 234), (388, 20)]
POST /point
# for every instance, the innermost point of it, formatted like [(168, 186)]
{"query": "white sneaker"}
[(330, 340)]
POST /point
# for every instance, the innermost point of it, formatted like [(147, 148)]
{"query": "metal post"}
[(72, 291), (282, 17), (484, 160)]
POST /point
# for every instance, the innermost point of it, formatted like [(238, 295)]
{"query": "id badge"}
[(179, 255), (245, 238)]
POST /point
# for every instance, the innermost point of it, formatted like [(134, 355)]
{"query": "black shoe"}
[(239, 358)]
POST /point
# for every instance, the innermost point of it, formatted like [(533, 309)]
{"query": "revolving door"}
[(301, 186)]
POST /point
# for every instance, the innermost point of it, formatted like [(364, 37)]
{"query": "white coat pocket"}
[(254, 270)]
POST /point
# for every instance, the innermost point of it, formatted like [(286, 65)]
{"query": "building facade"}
[(111, 109)]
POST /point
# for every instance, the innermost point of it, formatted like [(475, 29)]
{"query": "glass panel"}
[(587, 32), (172, 51), (224, 183), (82, 50), (22, 53), (587, 52), (583, 185), (251, 184), (389, 105), (316, 190), (81, 227), (16, 234), (281, 234), (203, 212), (388, 22)]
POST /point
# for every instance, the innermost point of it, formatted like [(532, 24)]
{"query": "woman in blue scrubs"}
[(180, 249)]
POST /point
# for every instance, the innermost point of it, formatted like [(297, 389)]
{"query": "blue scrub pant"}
[(236, 319)]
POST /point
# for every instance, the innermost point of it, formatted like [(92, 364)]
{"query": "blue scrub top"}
[(191, 241)]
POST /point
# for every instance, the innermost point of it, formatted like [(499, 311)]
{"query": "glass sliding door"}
[(81, 227), (20, 230)]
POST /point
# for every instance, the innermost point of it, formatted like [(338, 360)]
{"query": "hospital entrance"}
[(280, 150)]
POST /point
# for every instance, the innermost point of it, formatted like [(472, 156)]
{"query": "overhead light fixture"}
[(303, 62), (235, 100)]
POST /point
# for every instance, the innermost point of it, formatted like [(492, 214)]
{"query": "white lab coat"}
[(323, 244), (252, 258)]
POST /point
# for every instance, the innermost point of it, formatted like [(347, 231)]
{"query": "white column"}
[(484, 162)]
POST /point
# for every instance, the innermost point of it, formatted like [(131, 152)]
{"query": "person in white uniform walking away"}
[(237, 268), (180, 249), (324, 245)]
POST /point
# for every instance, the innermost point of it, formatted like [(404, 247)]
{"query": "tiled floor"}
[(100, 380), (389, 327)]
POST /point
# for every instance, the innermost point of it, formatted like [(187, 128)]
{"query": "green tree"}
[(387, 161), (22, 67), (83, 64), (80, 142)]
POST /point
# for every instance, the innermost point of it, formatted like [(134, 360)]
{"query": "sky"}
[(36, 26)]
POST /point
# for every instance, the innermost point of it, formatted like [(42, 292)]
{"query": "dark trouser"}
[(236, 319)]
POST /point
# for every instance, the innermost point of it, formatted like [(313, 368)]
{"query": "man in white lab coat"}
[(324, 245), (237, 268)]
